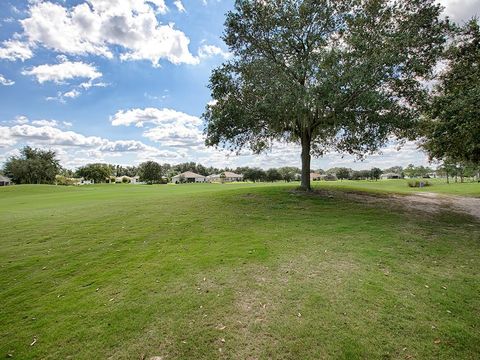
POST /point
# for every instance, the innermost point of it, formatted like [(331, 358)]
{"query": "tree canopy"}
[(33, 166), (99, 173), (453, 127), (329, 75), (150, 172)]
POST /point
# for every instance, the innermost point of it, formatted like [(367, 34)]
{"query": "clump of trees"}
[(97, 172), (33, 166)]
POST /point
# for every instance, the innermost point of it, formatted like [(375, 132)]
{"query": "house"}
[(228, 177), (135, 180), (120, 179), (390, 176), (188, 177), (128, 179), (5, 181), (84, 181), (315, 176)]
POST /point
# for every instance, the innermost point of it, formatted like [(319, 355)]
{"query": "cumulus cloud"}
[(64, 71), (4, 81), (45, 122), (179, 5), (20, 120), (72, 94), (5, 139), (45, 133), (167, 127), (15, 50), (206, 51), (97, 27)]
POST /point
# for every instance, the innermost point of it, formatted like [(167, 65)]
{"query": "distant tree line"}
[(36, 166)]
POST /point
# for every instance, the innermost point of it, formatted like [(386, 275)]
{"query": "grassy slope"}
[(237, 271)]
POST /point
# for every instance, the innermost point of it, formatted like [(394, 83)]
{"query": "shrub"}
[(65, 181), (418, 183), (125, 180)]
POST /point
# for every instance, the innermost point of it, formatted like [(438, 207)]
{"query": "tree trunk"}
[(306, 157)]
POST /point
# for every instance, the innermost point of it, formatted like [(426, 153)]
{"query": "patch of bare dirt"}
[(425, 202)]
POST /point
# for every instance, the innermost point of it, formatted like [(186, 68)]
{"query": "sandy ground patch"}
[(425, 202)]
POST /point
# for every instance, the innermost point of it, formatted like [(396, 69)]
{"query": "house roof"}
[(4, 179), (232, 174), (312, 175), (228, 174), (189, 175)]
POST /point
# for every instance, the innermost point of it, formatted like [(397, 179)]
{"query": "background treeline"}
[(36, 166)]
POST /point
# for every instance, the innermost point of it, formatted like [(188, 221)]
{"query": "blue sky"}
[(126, 81)]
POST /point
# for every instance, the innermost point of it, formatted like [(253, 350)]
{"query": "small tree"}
[(150, 172), (288, 173), (273, 175), (254, 174), (343, 173), (375, 173)]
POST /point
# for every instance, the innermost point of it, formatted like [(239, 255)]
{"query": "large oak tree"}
[(329, 75)]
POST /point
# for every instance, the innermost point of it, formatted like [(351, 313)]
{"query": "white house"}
[(390, 176), (119, 179), (84, 181), (5, 181), (135, 180), (130, 179), (189, 177), (229, 177)]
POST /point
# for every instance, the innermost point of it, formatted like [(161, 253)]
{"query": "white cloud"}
[(139, 117), (206, 51), (87, 85), (15, 50), (4, 81), (77, 149), (461, 10), (62, 97), (72, 94), (96, 27), (45, 123), (179, 5), (20, 120), (54, 136), (64, 71), (5, 139), (168, 127), (67, 123)]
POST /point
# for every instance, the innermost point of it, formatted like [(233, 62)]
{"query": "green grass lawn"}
[(237, 271), (400, 186)]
